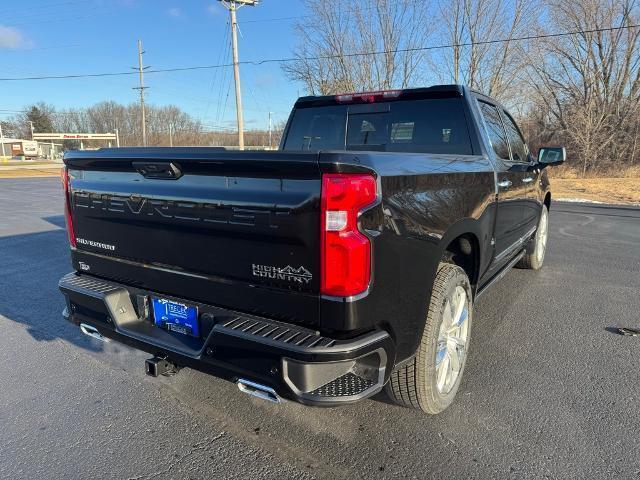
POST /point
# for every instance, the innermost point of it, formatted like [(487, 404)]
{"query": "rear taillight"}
[(64, 175), (345, 250)]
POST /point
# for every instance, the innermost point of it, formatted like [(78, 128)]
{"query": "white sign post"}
[(2, 139)]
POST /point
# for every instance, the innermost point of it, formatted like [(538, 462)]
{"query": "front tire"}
[(537, 246), (430, 380)]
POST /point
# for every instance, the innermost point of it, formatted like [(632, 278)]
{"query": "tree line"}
[(580, 90), (166, 125), (568, 69)]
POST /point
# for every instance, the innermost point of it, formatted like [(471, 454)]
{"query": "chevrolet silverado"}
[(345, 262)]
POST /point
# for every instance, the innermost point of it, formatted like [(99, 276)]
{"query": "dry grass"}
[(566, 171), (27, 168), (606, 190), (622, 187), (28, 163), (31, 173)]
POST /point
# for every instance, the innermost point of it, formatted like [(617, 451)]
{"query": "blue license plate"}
[(175, 317)]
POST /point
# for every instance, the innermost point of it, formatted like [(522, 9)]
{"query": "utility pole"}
[(270, 129), (2, 139), (31, 125), (233, 6), (170, 135), (142, 88)]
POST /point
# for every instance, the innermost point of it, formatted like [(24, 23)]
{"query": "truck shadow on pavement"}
[(31, 267)]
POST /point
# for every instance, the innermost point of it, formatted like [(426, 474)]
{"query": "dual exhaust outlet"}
[(157, 366), (257, 390), (92, 332)]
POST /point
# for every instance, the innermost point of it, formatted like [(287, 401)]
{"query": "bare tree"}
[(589, 82), (165, 125), (9, 128), (369, 45), (483, 52), (109, 116)]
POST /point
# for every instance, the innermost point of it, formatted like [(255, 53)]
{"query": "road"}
[(549, 392)]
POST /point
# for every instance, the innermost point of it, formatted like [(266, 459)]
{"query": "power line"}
[(323, 57), (27, 111), (61, 19), (52, 47), (342, 10), (218, 128), (224, 109), (226, 57), (214, 78), (277, 19), (18, 12)]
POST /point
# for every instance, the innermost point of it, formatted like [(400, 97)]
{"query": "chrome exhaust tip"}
[(92, 332), (259, 391)]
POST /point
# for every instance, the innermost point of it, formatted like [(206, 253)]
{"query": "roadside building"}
[(18, 148), (50, 150)]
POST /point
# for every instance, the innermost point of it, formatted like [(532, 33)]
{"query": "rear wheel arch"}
[(461, 246), (464, 251)]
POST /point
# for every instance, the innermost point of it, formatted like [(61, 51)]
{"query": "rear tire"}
[(430, 380), (537, 246)]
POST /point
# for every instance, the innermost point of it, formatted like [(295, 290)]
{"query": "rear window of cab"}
[(436, 126)]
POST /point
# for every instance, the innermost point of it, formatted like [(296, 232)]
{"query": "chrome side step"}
[(498, 276), (259, 391), (92, 332)]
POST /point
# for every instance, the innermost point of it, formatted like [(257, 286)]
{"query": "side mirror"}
[(549, 156)]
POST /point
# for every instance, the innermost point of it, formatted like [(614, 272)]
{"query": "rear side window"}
[(518, 148), (496, 132), (431, 126)]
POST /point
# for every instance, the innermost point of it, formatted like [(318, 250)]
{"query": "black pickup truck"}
[(347, 260)]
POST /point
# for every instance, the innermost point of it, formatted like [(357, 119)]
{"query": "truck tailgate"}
[(239, 225)]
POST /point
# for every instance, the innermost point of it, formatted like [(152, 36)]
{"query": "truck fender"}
[(480, 235)]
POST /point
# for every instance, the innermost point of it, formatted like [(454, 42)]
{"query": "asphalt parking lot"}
[(549, 392)]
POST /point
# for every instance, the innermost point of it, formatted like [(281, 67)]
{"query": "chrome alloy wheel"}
[(541, 235), (453, 340)]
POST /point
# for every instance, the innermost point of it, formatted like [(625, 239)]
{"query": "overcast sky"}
[(40, 37)]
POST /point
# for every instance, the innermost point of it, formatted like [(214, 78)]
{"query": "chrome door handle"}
[(527, 180), (505, 184)]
